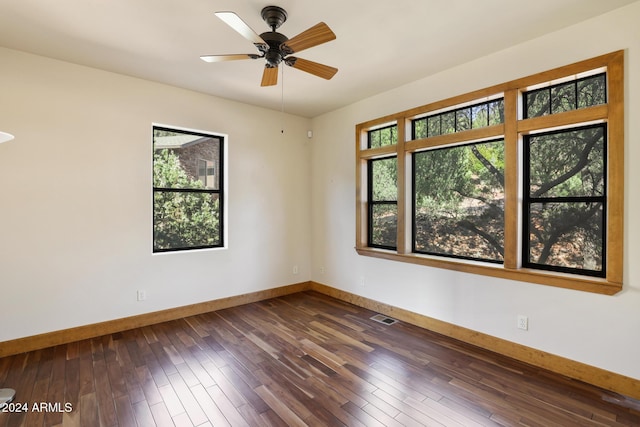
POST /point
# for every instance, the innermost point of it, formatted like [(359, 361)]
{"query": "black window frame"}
[(470, 108), (550, 88), (219, 191), (528, 200), (414, 248), (393, 129), (373, 203)]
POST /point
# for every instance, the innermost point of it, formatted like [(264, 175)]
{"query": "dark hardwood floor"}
[(302, 359)]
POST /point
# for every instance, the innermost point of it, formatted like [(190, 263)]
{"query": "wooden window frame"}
[(513, 130)]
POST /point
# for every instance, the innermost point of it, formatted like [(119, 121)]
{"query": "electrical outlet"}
[(362, 281), (523, 322), (295, 269), (142, 295), (321, 270)]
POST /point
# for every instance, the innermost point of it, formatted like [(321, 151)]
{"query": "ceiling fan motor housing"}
[(274, 54)]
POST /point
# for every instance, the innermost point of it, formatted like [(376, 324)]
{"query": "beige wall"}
[(594, 329), (76, 201)]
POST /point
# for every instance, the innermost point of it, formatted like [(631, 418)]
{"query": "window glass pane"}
[(384, 224), (448, 122), (592, 91), (179, 157), (463, 119), (387, 136), (459, 201), (384, 179), (374, 139), (563, 98), (567, 163), (420, 128), (537, 103), (496, 112), (567, 235), (434, 125), (568, 96), (185, 220), (383, 136), (479, 116)]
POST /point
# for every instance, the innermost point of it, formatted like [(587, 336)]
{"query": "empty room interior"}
[(224, 212)]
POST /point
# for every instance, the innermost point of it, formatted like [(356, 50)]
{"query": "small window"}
[(206, 173), (187, 190), (460, 119), (573, 95), (383, 203), (383, 136)]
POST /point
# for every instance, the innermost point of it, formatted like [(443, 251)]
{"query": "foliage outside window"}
[(565, 200), (522, 180), (459, 201), (187, 190), (472, 117), (383, 215), (382, 137), (572, 95)]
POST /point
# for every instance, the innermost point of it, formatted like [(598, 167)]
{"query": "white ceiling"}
[(380, 44)]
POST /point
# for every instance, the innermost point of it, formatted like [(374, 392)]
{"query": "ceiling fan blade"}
[(318, 34), (320, 70), (235, 22), (222, 58), (269, 76)]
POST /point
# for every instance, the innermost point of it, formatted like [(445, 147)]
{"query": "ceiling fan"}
[(277, 48)]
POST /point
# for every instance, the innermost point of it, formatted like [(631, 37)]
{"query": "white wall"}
[(594, 329), (76, 200)]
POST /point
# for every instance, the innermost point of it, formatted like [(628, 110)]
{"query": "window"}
[(206, 173), (187, 190), (382, 137), (522, 180), (572, 95), (565, 200), (383, 206), (465, 118), (458, 203)]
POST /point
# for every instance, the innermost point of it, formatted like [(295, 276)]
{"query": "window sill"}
[(560, 280)]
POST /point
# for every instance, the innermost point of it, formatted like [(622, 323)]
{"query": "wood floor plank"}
[(188, 401), (209, 407), (149, 387), (89, 414), (226, 406), (279, 407), (125, 412), (161, 416), (142, 414), (300, 359), (171, 400)]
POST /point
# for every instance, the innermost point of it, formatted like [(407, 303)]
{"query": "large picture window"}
[(459, 201), (187, 190), (522, 180)]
